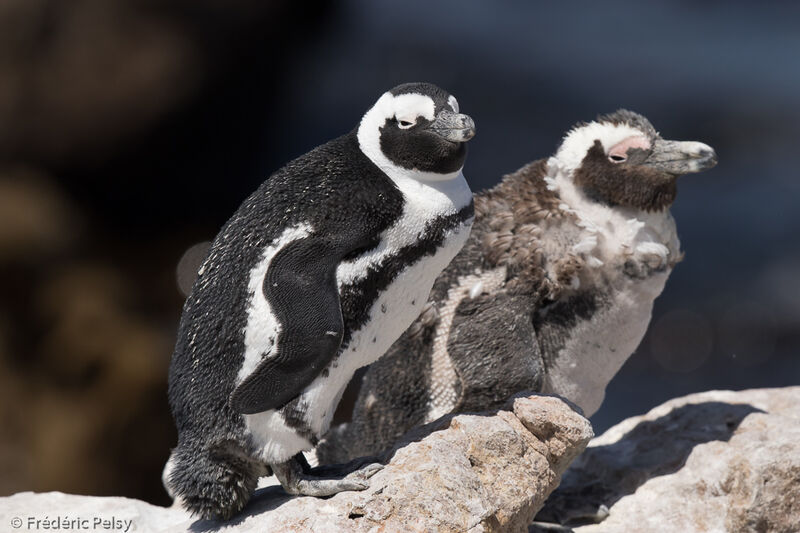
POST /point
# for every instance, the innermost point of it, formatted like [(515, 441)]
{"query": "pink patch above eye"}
[(621, 149)]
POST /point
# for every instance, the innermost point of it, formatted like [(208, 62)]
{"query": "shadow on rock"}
[(605, 473), (263, 501)]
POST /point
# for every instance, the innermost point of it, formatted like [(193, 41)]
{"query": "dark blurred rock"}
[(36, 219), (84, 76), (89, 401), (107, 111)]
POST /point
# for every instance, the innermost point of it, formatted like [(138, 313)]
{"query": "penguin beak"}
[(453, 127), (681, 157)]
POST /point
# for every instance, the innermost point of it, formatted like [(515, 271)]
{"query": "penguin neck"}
[(617, 230), (368, 137), (444, 192), (397, 173), (450, 195)]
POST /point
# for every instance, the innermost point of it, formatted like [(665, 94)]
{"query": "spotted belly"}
[(591, 351), (297, 426)]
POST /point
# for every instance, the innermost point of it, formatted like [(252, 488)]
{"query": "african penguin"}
[(552, 292), (316, 275)]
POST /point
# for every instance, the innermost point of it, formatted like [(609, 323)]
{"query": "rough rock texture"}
[(473, 473), (715, 461)]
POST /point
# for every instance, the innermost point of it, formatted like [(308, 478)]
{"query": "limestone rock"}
[(56, 511), (474, 473), (717, 461)]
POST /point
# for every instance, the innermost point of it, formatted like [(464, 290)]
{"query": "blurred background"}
[(131, 130)]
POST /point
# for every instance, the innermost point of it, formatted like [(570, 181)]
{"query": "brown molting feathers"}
[(513, 213)]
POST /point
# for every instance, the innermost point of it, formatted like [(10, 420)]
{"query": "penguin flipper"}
[(508, 363), (301, 288)]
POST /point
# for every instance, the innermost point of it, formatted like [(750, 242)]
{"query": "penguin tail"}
[(211, 483)]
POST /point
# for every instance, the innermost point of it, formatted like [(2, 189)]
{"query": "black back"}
[(335, 187)]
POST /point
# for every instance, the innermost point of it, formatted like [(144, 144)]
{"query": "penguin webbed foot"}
[(297, 478)]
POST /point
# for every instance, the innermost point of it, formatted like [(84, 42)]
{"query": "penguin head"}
[(416, 131), (620, 160)]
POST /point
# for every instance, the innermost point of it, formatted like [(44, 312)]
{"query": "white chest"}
[(402, 301), (596, 349), (614, 243), (390, 314)]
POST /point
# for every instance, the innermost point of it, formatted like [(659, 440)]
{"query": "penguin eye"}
[(619, 152), (405, 124)]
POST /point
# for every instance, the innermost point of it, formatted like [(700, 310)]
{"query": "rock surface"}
[(715, 461), (474, 473)]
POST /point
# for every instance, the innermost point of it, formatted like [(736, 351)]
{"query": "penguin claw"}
[(355, 484), (351, 467), (295, 481), (364, 473), (370, 470)]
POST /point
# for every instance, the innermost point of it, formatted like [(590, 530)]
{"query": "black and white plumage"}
[(552, 292), (316, 275)]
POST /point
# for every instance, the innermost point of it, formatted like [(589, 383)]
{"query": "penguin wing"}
[(300, 285), (494, 349)]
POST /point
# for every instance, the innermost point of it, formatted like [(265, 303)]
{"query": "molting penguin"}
[(552, 292), (317, 274)]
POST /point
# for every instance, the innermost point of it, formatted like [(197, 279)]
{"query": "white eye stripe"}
[(369, 134), (579, 140), (453, 103), (411, 105)]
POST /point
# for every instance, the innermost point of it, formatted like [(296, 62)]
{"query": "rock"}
[(715, 461), (120, 67), (56, 511), (475, 473), (101, 104)]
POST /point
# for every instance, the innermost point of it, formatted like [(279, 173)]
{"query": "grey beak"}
[(681, 157), (454, 127)]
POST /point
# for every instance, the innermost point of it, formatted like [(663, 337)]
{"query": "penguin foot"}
[(213, 483), (342, 469), (295, 480)]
